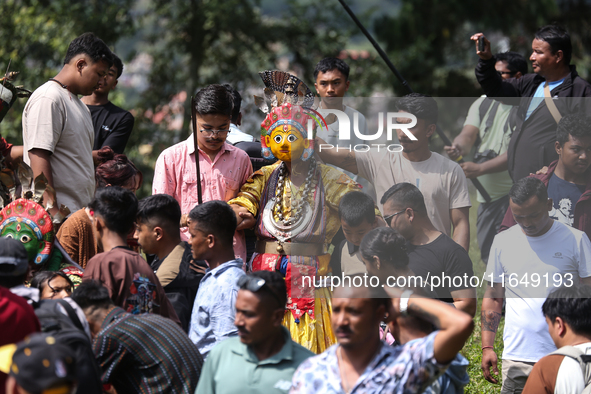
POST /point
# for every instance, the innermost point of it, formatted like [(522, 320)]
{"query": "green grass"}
[(472, 349)]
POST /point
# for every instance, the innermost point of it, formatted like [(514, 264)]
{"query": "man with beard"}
[(441, 181)]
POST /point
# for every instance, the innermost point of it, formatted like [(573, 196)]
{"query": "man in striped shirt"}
[(138, 353)]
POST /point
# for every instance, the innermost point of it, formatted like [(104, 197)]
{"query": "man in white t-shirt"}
[(58, 134), (331, 80), (525, 263), (441, 181), (569, 323)]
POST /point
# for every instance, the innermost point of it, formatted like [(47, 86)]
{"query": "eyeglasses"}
[(209, 133), (255, 284), (501, 73), (388, 219)]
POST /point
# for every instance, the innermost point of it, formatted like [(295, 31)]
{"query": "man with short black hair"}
[(58, 135), (138, 353), (212, 226), (223, 167), (520, 260), (264, 358), (569, 322), (360, 362), (488, 122), (112, 125), (441, 181), (358, 217), (568, 179), (131, 282), (158, 233), (544, 96), (331, 80), (431, 253)]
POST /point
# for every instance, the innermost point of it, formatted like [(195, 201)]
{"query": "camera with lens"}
[(481, 157)]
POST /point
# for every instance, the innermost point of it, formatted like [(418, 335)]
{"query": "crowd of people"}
[(275, 267)]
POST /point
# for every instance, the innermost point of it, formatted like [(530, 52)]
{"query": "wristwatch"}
[(404, 302)]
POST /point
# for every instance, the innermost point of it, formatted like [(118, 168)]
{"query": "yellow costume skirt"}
[(313, 334)]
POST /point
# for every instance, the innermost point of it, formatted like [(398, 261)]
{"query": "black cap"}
[(40, 363), (14, 260)]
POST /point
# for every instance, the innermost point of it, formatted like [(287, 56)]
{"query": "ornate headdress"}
[(290, 101)]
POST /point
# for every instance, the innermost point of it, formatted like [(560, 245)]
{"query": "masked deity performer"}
[(294, 204)]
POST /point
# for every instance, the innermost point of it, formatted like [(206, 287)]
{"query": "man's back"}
[(557, 374), (55, 120), (112, 126), (146, 353), (131, 282)]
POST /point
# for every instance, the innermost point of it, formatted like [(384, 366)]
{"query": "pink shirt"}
[(175, 175)]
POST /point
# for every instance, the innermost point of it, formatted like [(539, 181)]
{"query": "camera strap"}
[(550, 103)]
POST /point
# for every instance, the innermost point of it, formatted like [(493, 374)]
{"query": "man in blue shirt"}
[(212, 226)]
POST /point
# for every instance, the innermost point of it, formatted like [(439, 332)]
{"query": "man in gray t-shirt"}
[(57, 127)]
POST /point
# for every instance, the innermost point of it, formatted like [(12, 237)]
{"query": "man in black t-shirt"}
[(112, 125), (432, 255)]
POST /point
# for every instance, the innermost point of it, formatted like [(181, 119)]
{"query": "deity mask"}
[(284, 134), (27, 222)]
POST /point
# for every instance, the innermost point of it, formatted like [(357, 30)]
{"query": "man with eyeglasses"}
[(432, 255), (488, 121), (223, 167), (263, 358)]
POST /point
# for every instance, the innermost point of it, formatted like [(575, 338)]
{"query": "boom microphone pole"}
[(383, 55)]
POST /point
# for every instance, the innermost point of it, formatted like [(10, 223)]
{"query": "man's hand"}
[(541, 171), (486, 54), (489, 359), (472, 170), (244, 218), (454, 151)]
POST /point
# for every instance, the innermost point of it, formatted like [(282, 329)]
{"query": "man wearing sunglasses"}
[(263, 358), (223, 167), (431, 254)]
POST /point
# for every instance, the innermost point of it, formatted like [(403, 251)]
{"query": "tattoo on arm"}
[(348, 161), (420, 312), (490, 321)]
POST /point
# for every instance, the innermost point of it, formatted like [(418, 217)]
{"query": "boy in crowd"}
[(567, 313), (112, 125), (358, 217), (223, 167), (568, 179), (158, 233), (212, 225), (131, 282)]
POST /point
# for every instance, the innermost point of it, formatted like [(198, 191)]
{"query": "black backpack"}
[(69, 331)]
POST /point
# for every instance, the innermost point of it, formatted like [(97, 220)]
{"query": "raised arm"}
[(454, 326)]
